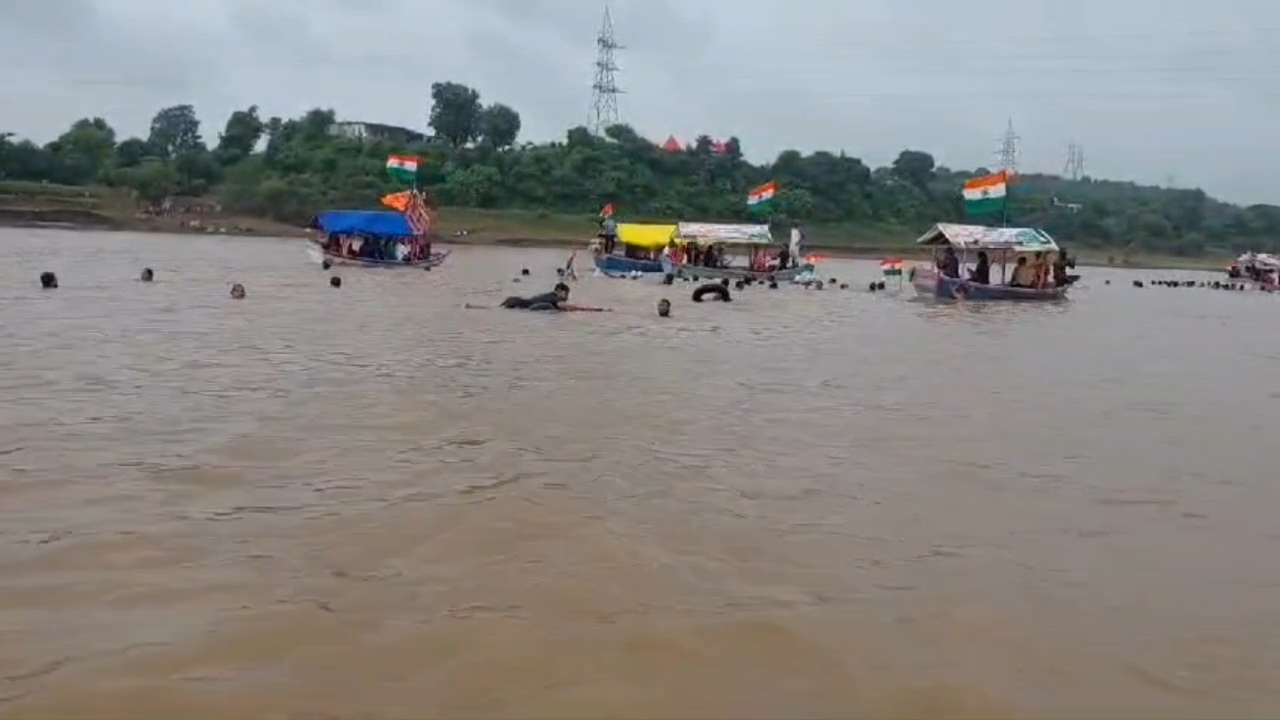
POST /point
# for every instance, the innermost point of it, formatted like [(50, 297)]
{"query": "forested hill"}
[(287, 169)]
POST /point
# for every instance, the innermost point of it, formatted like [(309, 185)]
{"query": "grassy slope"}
[(107, 208)]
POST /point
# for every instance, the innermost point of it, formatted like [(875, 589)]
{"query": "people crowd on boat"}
[(367, 247), (1034, 273)]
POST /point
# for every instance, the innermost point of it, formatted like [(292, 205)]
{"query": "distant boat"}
[(738, 252), (370, 238), (637, 250), (1001, 245)]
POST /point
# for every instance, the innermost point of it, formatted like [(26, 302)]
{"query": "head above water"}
[(48, 280), (664, 307), (147, 275), (562, 291), (237, 291)]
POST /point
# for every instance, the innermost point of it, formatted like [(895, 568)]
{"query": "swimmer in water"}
[(556, 300)]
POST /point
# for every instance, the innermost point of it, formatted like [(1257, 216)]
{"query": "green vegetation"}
[(286, 170)]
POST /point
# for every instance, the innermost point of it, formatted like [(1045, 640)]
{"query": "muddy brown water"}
[(368, 502)]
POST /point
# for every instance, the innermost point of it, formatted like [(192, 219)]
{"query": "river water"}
[(369, 502)]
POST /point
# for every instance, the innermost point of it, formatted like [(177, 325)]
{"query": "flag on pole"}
[(761, 198), (403, 168), (891, 266), (417, 215), (987, 194), (607, 211)]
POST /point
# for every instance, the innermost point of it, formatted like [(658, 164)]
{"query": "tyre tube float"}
[(720, 292)]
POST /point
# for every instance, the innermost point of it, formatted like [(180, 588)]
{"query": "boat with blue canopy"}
[(638, 250), (1029, 247), (375, 238)]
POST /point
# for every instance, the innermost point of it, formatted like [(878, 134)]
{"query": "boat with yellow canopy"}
[(639, 249)]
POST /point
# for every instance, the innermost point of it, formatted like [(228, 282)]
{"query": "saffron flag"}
[(987, 194), (891, 266), (607, 211), (761, 198), (398, 201), (403, 168)]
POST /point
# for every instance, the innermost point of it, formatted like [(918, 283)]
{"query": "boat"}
[(637, 252), (1261, 268), (370, 238), (752, 241), (1001, 245)]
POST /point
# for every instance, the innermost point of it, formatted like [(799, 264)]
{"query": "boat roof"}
[(378, 223), (645, 235), (980, 237), (727, 233)]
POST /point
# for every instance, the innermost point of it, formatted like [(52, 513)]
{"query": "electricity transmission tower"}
[(1008, 152), (605, 90), (1074, 167)]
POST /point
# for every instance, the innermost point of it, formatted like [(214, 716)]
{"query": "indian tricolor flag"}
[(403, 168), (891, 266), (762, 197), (987, 194)]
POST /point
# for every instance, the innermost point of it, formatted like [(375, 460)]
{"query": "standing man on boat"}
[(609, 232), (793, 248)]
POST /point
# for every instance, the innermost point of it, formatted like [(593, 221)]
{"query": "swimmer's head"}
[(562, 291)]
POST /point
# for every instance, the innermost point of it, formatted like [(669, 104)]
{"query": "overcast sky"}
[(1155, 90)]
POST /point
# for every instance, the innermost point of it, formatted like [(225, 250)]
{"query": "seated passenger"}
[(981, 273), (1024, 275)]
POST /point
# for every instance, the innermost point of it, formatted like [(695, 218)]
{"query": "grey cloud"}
[(1152, 88)]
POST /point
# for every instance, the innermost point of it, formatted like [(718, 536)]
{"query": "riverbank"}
[(106, 209)]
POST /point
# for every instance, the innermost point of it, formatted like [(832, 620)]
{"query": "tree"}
[(914, 167), (175, 130), (304, 168), (152, 181), (499, 125), (240, 136), (455, 112), (131, 153)]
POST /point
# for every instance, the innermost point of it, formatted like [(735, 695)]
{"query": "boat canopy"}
[(377, 223), (645, 235), (980, 237), (729, 234)]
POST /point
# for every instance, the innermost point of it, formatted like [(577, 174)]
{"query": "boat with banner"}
[(639, 250), (724, 250), (377, 238), (999, 245)]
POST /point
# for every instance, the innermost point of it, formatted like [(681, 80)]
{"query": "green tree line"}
[(289, 169)]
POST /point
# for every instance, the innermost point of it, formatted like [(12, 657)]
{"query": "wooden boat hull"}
[(931, 284), (732, 273), (319, 255), (621, 265)]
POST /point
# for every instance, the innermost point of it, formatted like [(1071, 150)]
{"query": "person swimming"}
[(556, 300)]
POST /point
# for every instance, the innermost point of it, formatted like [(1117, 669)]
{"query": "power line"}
[(605, 90), (1008, 152), (1074, 167)]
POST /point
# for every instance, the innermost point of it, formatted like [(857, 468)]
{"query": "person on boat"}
[(1041, 267), (1024, 275), (949, 265), (981, 273), (793, 247), (609, 233), (1061, 265)]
